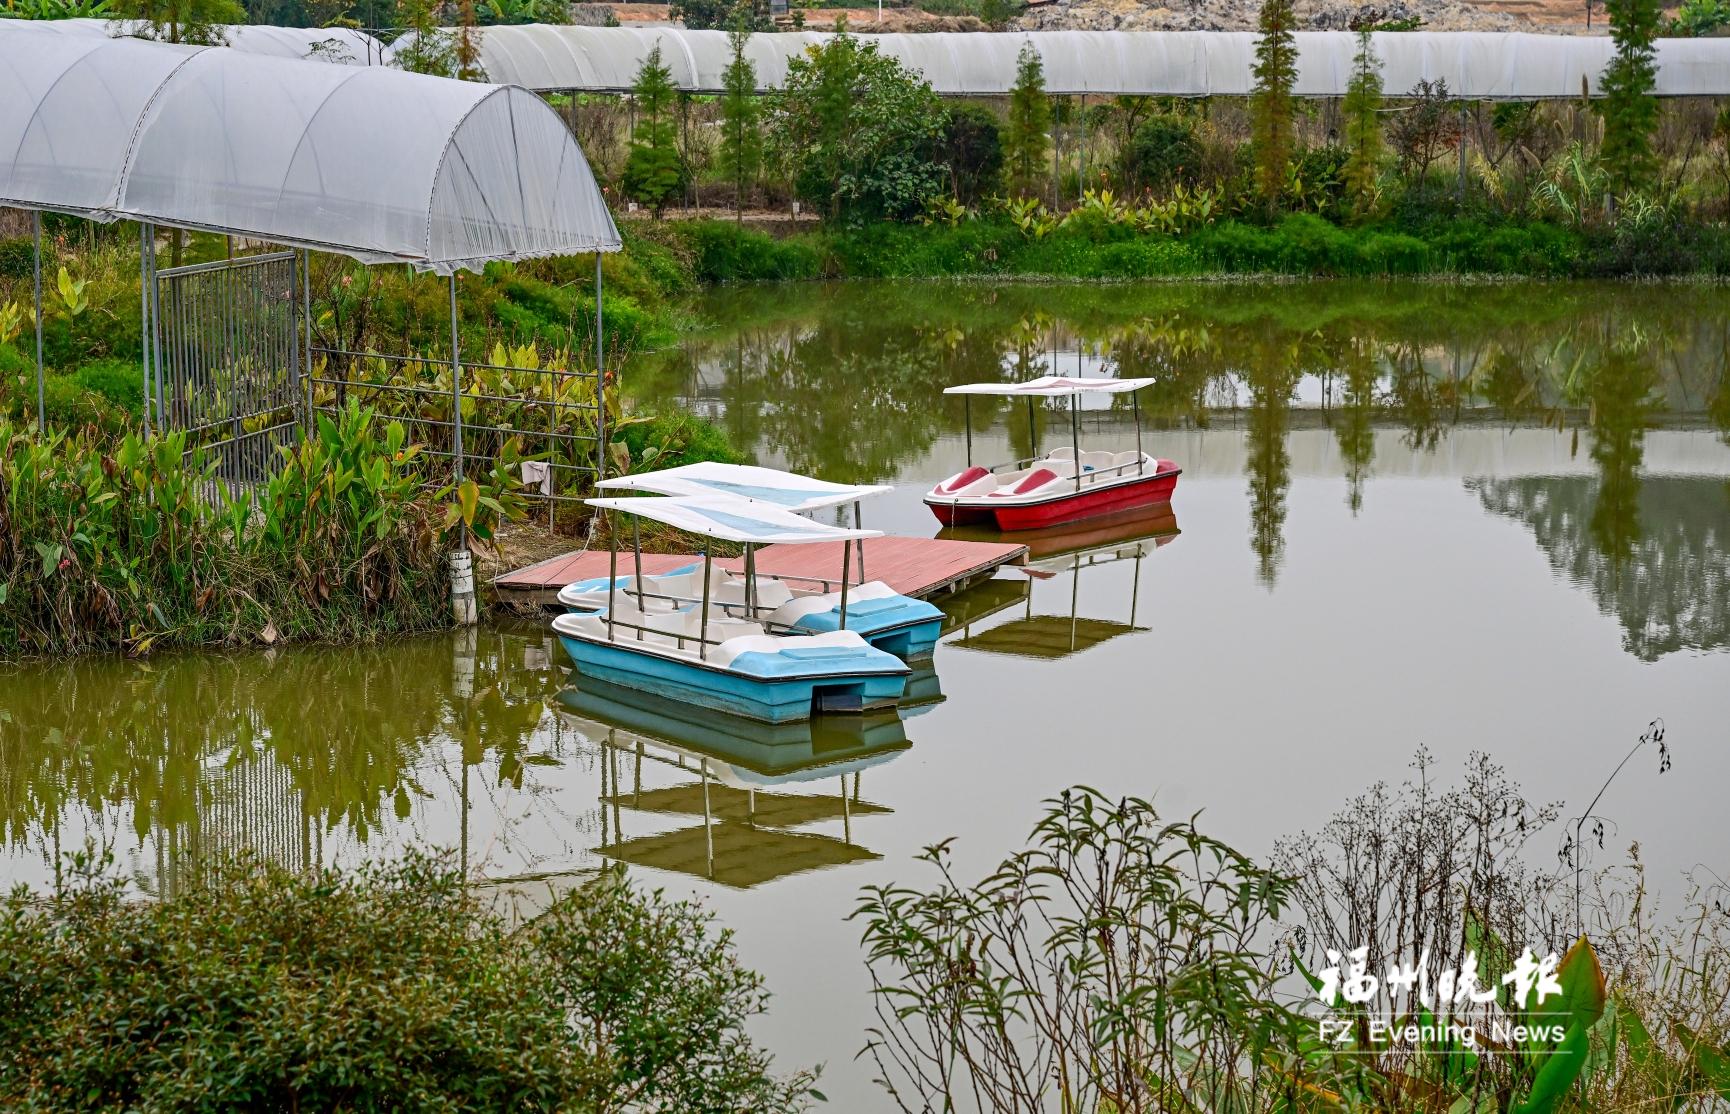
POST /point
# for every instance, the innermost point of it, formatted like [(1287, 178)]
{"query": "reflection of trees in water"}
[(1354, 423), (1622, 408), (1268, 464), (267, 752), (845, 381), (1669, 586)]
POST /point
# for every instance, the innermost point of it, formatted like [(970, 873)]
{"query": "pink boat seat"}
[(1033, 481), (972, 475)]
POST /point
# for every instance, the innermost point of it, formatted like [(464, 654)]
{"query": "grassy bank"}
[(1096, 246)]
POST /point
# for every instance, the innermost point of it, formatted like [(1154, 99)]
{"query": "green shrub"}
[(69, 405), (109, 544), (1163, 152), (725, 252), (18, 259), (118, 381), (396, 988), (668, 439)]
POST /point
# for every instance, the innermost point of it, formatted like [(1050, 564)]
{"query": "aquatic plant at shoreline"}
[(1063, 979), (141, 543), (392, 987)]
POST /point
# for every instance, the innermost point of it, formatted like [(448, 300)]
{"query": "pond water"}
[(1459, 518)]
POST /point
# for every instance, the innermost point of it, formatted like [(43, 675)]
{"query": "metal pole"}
[(967, 418), (144, 318), (703, 619), (708, 825), (1075, 433), (637, 556), (859, 524), (600, 381), (1135, 405), (612, 571), (846, 574), (306, 324), (750, 581), (41, 397), (152, 339), (1032, 429), (456, 385)]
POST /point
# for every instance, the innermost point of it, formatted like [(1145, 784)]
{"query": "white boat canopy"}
[(731, 520), (1479, 65), (1052, 386), (786, 490), (342, 45), (366, 161)]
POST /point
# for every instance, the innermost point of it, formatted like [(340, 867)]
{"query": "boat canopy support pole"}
[(1032, 429), (637, 559), (1075, 436), (967, 424), (859, 524), (703, 619), (846, 575), (1135, 407), (612, 572), (750, 581)]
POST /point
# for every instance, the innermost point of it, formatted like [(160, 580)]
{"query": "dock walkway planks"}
[(917, 567)]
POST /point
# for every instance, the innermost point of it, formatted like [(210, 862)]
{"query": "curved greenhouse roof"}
[(370, 162), (343, 45), (1477, 65)]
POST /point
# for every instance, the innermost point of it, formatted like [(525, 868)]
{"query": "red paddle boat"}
[(1064, 485)]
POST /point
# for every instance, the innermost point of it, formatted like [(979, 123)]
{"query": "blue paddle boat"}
[(898, 624), (719, 656)]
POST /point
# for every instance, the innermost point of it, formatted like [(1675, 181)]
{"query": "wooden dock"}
[(917, 567)]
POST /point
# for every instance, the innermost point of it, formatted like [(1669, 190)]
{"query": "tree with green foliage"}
[(1272, 107), (970, 148), (1629, 109), (712, 15), (199, 22), (1026, 139), (653, 173), (740, 157), (999, 14), (1363, 127), (424, 46), (1163, 151), (854, 127)]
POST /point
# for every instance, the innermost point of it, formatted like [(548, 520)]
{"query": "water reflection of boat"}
[(1065, 485), (1157, 524), (737, 776), (1130, 537)]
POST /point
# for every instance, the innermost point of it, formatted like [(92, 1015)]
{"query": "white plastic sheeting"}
[(370, 162), (1478, 65), (342, 45)]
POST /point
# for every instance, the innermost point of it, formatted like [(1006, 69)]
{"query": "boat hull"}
[(782, 699), (1090, 502)]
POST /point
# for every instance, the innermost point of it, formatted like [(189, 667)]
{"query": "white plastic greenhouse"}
[(370, 162), (1477, 65), (343, 45)]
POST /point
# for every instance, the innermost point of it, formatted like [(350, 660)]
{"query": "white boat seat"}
[(1128, 458), (720, 630), (1097, 460), (1062, 452)]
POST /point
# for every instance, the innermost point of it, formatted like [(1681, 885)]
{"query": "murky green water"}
[(1490, 518)]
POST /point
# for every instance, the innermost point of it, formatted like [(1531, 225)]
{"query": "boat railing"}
[(754, 612), (678, 639), (1138, 464)]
